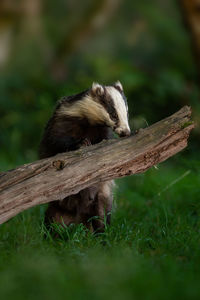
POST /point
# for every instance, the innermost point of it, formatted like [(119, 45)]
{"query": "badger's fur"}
[(80, 120)]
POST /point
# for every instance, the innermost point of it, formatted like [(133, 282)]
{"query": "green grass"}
[(151, 250)]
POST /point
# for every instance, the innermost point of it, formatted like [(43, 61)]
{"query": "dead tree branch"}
[(68, 173)]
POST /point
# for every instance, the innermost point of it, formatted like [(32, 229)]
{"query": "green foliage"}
[(151, 250), (145, 46)]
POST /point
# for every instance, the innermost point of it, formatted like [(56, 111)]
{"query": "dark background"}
[(50, 49)]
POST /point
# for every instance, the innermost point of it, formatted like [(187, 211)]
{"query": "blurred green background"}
[(49, 49)]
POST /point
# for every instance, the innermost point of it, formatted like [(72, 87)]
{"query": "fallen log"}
[(64, 174)]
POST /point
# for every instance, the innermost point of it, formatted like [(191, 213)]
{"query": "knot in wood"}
[(58, 164)]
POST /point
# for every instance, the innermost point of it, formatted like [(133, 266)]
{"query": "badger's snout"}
[(122, 132)]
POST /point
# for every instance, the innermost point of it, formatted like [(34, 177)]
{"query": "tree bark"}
[(56, 177)]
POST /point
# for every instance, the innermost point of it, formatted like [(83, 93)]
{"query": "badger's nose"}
[(123, 132)]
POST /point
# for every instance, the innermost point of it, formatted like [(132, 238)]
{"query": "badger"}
[(79, 120)]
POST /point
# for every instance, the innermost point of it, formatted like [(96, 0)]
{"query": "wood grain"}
[(67, 173)]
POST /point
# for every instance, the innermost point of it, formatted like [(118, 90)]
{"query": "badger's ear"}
[(97, 89), (118, 86)]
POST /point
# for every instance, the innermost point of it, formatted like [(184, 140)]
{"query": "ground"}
[(151, 250)]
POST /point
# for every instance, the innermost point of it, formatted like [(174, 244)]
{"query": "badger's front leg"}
[(85, 207), (55, 213), (103, 206)]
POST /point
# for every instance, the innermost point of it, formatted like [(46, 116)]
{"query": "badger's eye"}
[(114, 117)]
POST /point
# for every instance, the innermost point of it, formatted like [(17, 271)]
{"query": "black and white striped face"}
[(113, 100)]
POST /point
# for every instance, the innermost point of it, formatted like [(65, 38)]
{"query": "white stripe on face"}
[(121, 110)]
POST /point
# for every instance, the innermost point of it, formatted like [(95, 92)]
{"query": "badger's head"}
[(104, 105), (113, 106)]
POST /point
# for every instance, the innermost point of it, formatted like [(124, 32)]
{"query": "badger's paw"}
[(86, 142)]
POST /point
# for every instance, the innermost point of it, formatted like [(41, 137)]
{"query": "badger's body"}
[(80, 120)]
